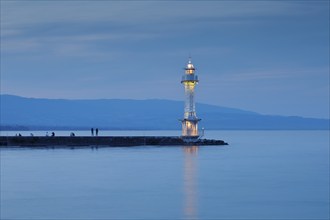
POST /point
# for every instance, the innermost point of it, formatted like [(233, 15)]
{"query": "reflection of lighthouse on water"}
[(190, 182)]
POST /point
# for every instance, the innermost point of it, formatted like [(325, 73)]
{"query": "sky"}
[(271, 57)]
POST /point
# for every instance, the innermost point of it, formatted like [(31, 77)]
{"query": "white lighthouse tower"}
[(190, 120)]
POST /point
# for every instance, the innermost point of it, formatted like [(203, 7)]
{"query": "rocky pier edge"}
[(101, 141)]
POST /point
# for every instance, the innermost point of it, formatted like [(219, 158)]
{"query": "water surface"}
[(261, 174)]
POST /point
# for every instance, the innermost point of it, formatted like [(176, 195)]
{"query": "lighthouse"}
[(190, 120)]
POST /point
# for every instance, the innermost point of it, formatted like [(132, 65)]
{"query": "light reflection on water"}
[(190, 184)]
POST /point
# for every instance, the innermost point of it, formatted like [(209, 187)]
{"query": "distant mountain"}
[(19, 112)]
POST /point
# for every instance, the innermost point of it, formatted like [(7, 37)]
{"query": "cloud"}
[(271, 76), (14, 46), (28, 26), (153, 14)]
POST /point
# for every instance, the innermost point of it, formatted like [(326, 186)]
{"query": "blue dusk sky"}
[(271, 57)]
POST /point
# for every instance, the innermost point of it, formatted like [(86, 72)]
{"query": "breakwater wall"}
[(110, 141)]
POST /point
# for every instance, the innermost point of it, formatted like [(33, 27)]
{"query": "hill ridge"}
[(137, 114)]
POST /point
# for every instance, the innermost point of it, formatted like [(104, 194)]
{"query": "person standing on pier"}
[(92, 131), (96, 131)]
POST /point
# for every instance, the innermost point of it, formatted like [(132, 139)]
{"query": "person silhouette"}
[(97, 131), (92, 131)]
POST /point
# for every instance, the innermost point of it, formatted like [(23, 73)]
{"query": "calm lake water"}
[(260, 175)]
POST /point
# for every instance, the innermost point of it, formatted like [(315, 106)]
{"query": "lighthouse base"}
[(190, 139), (190, 128)]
